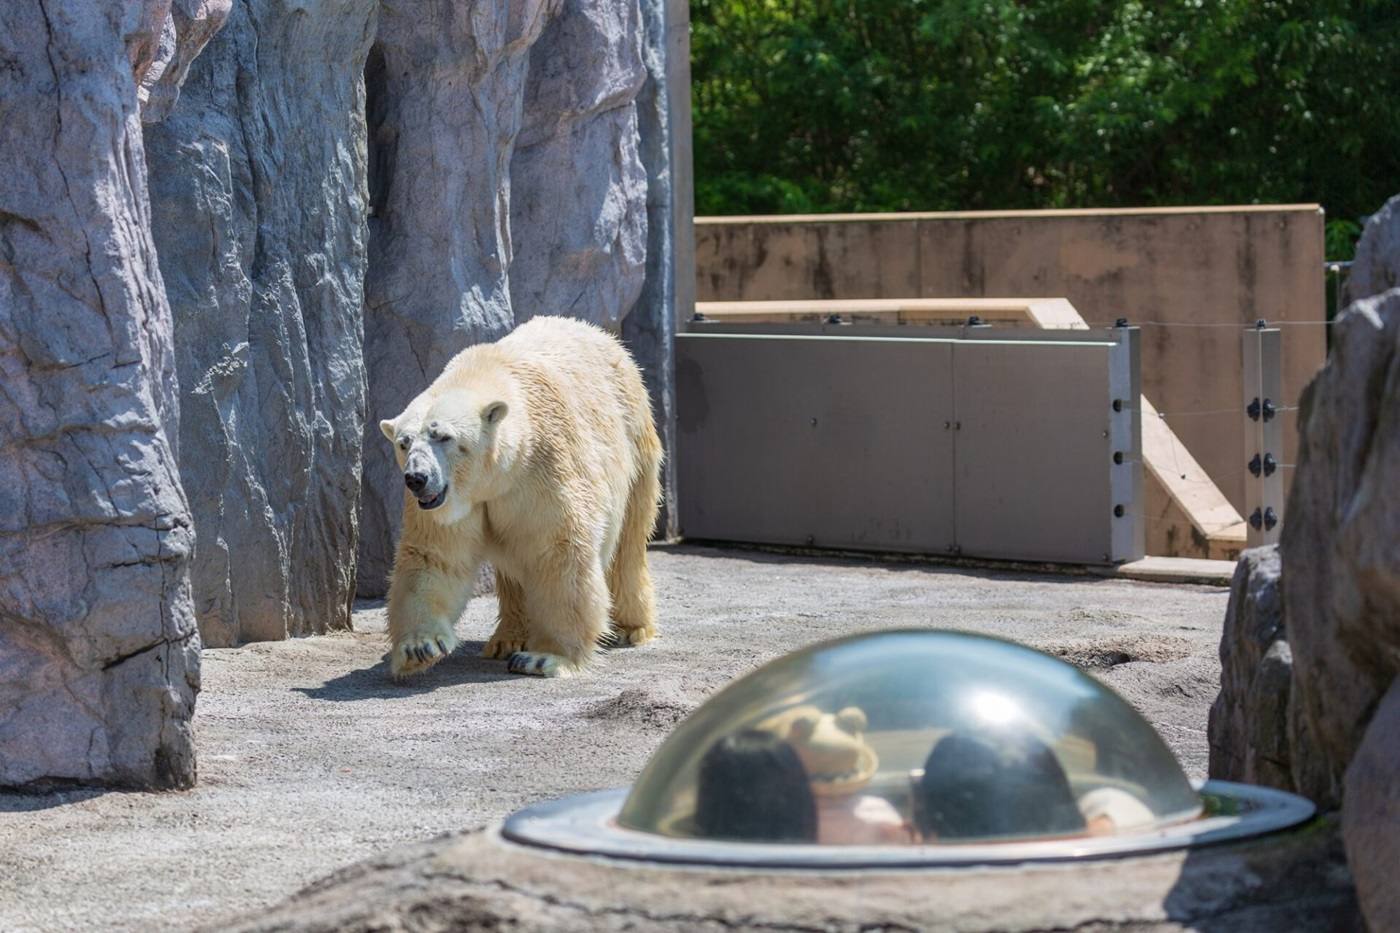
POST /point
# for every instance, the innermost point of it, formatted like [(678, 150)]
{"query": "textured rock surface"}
[(258, 197), (1371, 817), (1377, 264), (505, 181), (189, 24), (668, 291), (99, 656), (474, 881), (1341, 565), (1249, 732), (578, 191)]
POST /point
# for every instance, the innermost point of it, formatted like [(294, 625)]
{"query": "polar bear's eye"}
[(403, 443)]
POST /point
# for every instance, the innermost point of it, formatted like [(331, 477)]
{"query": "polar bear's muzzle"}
[(430, 490)]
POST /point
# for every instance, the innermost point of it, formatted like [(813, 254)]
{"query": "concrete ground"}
[(311, 759)]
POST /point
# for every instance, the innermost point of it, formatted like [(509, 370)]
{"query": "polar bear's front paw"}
[(538, 664), (418, 652)]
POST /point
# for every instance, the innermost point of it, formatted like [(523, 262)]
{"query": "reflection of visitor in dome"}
[(995, 784), (754, 788), (840, 764)]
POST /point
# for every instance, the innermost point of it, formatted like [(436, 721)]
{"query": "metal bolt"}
[(1256, 520), (1270, 464), (1119, 511), (1253, 409), (1118, 456), (1270, 519), (1118, 404), (1121, 322), (1269, 410), (814, 422), (1255, 466)]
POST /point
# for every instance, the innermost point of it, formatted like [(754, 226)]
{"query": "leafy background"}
[(805, 106)]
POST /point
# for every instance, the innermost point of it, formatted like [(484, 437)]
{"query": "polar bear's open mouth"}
[(437, 500)]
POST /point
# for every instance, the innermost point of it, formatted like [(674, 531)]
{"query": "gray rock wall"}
[(259, 200), (1376, 267), (99, 654), (1341, 562), (1249, 730), (507, 180), (668, 290)]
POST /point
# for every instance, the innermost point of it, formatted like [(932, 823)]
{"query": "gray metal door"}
[(823, 441), (1032, 460)]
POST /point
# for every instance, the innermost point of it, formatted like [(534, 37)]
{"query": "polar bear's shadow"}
[(463, 666)]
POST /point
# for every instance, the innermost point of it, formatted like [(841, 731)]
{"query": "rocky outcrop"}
[(1376, 266), (475, 881), (1340, 583), (578, 191), (188, 26), (99, 655), (1341, 565), (1371, 816), (1249, 725), (506, 181), (259, 210), (668, 289)]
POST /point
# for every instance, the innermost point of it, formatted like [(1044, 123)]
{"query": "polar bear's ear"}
[(388, 428), (493, 413)]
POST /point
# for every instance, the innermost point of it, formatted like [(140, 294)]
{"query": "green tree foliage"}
[(888, 105)]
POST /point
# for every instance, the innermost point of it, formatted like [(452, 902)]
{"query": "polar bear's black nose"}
[(415, 482)]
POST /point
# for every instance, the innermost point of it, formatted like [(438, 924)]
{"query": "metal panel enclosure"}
[(1032, 463), (831, 442), (988, 443)]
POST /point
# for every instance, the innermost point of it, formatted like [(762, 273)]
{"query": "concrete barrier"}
[(1188, 275)]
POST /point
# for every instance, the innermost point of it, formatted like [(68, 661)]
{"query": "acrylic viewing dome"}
[(907, 747), (911, 736)]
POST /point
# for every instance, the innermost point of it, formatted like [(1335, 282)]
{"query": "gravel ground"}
[(311, 759)]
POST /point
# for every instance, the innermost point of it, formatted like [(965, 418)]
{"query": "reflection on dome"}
[(911, 737)]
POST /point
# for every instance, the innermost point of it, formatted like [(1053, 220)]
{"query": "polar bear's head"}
[(448, 446)]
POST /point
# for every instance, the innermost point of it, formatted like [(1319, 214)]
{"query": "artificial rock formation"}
[(258, 190), (99, 654), (188, 26), (474, 881), (1376, 267), (506, 181), (1371, 816), (1249, 726), (1341, 563)]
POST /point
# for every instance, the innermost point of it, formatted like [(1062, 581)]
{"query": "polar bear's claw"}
[(537, 664), (417, 653)]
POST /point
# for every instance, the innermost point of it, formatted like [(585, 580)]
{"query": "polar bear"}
[(537, 453)]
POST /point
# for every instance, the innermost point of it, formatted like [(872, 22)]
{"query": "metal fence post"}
[(1263, 397)]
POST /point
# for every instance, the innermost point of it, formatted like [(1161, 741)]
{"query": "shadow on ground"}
[(464, 666)]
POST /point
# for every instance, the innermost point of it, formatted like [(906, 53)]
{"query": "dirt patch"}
[(1101, 654), (637, 707)]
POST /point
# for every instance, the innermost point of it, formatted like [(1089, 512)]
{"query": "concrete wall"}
[(1183, 266)]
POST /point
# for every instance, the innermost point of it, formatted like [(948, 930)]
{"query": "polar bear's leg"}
[(629, 579), (425, 603), (511, 629), (568, 613)]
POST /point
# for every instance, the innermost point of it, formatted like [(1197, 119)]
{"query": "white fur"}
[(544, 450)]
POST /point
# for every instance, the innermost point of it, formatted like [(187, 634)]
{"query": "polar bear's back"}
[(584, 383)]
